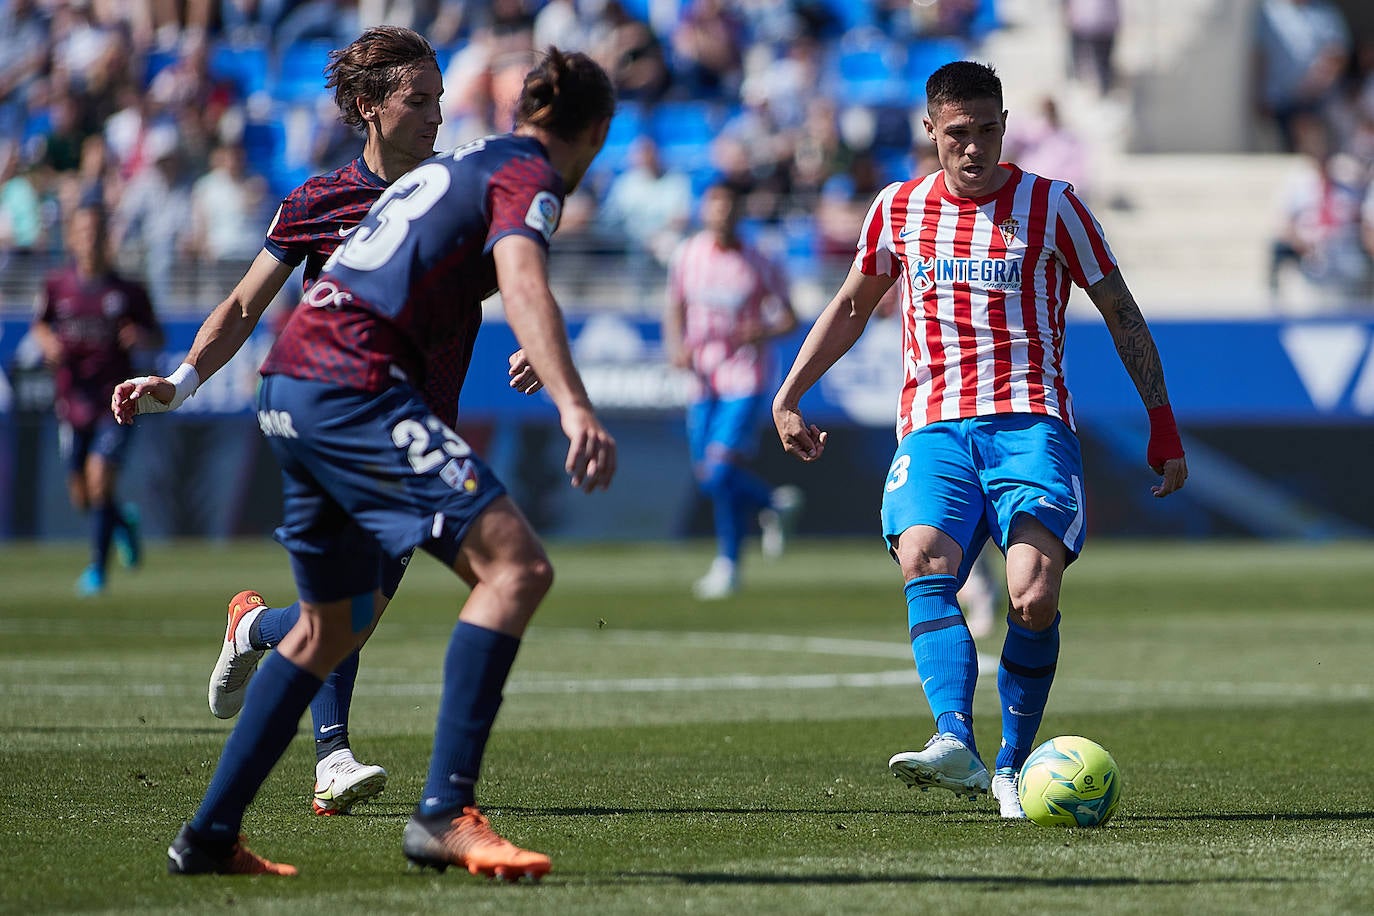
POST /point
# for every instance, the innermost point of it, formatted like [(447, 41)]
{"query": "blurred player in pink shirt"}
[(726, 301)]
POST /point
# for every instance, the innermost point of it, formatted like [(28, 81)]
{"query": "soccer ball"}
[(1069, 782)]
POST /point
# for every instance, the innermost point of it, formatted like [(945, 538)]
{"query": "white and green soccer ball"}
[(1069, 781)]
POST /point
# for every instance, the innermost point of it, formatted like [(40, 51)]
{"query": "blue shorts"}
[(972, 478), (366, 478), (729, 425), (104, 438)]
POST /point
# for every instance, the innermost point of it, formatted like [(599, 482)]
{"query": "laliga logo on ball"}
[(1069, 781)]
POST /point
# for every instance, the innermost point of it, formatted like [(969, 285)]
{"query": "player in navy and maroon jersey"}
[(386, 84), (88, 320), (369, 469)]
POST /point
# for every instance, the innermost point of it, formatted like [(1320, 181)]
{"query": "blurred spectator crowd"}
[(1314, 83), (192, 118)]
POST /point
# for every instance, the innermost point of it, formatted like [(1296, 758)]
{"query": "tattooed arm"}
[(1136, 347), (1134, 344)]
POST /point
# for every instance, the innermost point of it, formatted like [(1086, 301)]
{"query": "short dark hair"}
[(564, 93), (962, 81), (372, 66)]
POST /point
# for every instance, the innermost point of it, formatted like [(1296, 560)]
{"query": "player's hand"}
[(146, 394), (523, 378), (806, 441), (1175, 472), (130, 336), (591, 450)]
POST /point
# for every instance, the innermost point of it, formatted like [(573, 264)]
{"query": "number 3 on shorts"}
[(898, 475)]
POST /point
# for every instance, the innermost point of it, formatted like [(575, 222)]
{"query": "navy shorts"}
[(971, 479), (366, 478), (105, 438)]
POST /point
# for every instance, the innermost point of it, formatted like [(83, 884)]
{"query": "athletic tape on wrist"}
[(1164, 439)]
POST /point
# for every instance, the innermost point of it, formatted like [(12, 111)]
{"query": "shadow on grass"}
[(941, 879), (948, 815), (1254, 816)]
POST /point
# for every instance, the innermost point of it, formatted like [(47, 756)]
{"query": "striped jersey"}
[(985, 284), (401, 299), (723, 292)]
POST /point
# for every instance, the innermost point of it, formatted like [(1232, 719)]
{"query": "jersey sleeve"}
[(288, 239), (876, 256), (525, 196), (1080, 242)]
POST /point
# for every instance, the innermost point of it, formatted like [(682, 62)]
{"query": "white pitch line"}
[(662, 639)]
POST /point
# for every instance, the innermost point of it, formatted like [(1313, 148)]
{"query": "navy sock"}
[(946, 660), (104, 517), (1024, 677), (272, 709), (329, 709), (475, 671), (273, 624)]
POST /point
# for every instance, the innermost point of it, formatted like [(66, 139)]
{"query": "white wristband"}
[(185, 380), (184, 383)]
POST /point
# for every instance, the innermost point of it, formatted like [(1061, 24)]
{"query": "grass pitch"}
[(673, 756)]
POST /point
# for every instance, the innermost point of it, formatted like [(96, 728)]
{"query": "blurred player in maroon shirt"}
[(386, 85), (88, 321)]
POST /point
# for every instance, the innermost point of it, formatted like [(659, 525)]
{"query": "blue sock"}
[(329, 709), (104, 517), (751, 493), (1023, 682), (946, 660), (273, 624), (272, 709), (735, 494), (475, 671)]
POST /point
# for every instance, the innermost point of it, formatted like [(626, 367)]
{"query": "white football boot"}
[(945, 763), (342, 782), (778, 522), (237, 659), (720, 581), (1005, 783)]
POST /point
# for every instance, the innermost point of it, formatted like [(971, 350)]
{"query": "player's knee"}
[(715, 476), (1034, 606), (524, 582)]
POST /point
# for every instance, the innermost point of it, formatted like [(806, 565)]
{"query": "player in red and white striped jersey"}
[(985, 254)]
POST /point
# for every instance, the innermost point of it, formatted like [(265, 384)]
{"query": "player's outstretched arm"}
[(221, 335), (834, 332), (533, 314), (1136, 348)]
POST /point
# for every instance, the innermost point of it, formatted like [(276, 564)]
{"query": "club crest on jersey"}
[(461, 475), (543, 214), (112, 304), (1008, 228)]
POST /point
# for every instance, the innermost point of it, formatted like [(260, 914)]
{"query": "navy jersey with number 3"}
[(409, 282)]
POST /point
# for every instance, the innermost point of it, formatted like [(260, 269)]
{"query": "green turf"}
[(717, 758)]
